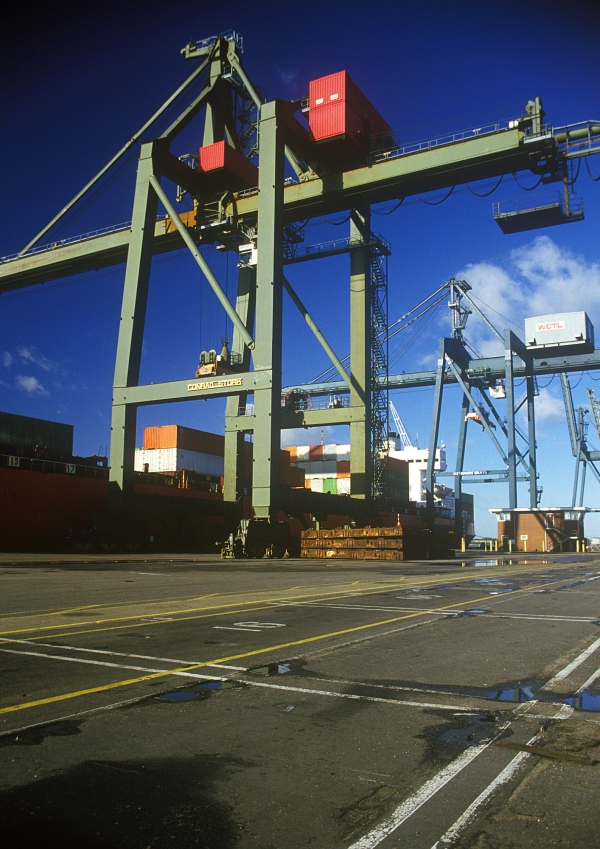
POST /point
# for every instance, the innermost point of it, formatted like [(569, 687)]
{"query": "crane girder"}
[(477, 158)]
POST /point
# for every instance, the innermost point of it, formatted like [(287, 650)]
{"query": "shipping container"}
[(302, 453), (316, 484), (343, 453), (343, 486), (175, 436), (330, 452), (343, 467), (26, 432), (221, 157), (177, 459), (338, 107), (330, 485), (315, 452)]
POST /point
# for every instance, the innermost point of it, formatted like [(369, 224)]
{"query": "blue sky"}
[(77, 83)]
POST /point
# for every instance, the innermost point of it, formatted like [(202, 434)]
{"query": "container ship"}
[(54, 500)]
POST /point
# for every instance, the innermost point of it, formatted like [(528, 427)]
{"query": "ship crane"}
[(401, 431)]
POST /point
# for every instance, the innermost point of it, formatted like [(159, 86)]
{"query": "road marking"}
[(120, 654), (234, 628), (352, 696), (571, 667), (381, 586), (448, 838), (424, 794), (252, 653), (81, 660), (593, 677)]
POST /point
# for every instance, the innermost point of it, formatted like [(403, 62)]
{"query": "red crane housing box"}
[(337, 107), (222, 159)]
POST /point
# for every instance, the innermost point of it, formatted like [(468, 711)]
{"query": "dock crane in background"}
[(578, 428), (401, 431)]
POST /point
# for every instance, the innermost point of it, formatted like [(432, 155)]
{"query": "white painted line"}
[(448, 838), (593, 677), (364, 607), (122, 654), (365, 639), (333, 694), (423, 795), (234, 628), (114, 665), (82, 660), (564, 673)]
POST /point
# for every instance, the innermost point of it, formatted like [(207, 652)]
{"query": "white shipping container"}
[(343, 453), (343, 486), (330, 452), (176, 459), (302, 453), (316, 484)]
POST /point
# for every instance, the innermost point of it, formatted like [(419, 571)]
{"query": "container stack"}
[(171, 448)]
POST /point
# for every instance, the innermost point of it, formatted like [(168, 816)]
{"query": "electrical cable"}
[(546, 384), (497, 313), (491, 191), (525, 188), (437, 202), (587, 165), (393, 209), (337, 223)]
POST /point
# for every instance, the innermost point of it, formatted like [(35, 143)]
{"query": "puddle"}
[(514, 694), (477, 731), (35, 736), (276, 668), (584, 701), (466, 614), (178, 696), (507, 562)]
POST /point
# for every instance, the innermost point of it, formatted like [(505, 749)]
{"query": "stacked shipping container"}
[(172, 448)]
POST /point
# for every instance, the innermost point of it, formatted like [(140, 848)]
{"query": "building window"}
[(549, 520), (504, 517), (571, 516)]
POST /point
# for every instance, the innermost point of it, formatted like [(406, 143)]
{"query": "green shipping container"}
[(330, 485)]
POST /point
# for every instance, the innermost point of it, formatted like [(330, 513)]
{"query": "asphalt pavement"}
[(186, 701)]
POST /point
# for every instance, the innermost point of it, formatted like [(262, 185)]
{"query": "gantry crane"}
[(260, 212)]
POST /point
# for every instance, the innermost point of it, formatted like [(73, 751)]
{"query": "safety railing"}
[(73, 240), (32, 464)]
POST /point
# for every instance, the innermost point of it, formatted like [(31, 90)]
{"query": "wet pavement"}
[(190, 702)]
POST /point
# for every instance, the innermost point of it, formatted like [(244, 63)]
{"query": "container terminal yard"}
[(380, 676)]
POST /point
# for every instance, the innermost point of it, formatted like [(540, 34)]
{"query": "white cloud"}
[(548, 407), (7, 359), (31, 355), (537, 279), (30, 384)]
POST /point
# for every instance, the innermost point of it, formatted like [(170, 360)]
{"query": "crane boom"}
[(400, 429)]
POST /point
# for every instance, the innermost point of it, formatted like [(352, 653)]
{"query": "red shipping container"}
[(338, 107), (315, 452), (221, 157), (343, 467), (188, 438), (394, 464)]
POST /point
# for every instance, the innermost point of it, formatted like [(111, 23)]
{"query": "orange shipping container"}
[(175, 436)]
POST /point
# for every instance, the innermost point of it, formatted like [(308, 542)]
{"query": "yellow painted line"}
[(233, 606), (274, 600), (304, 641)]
